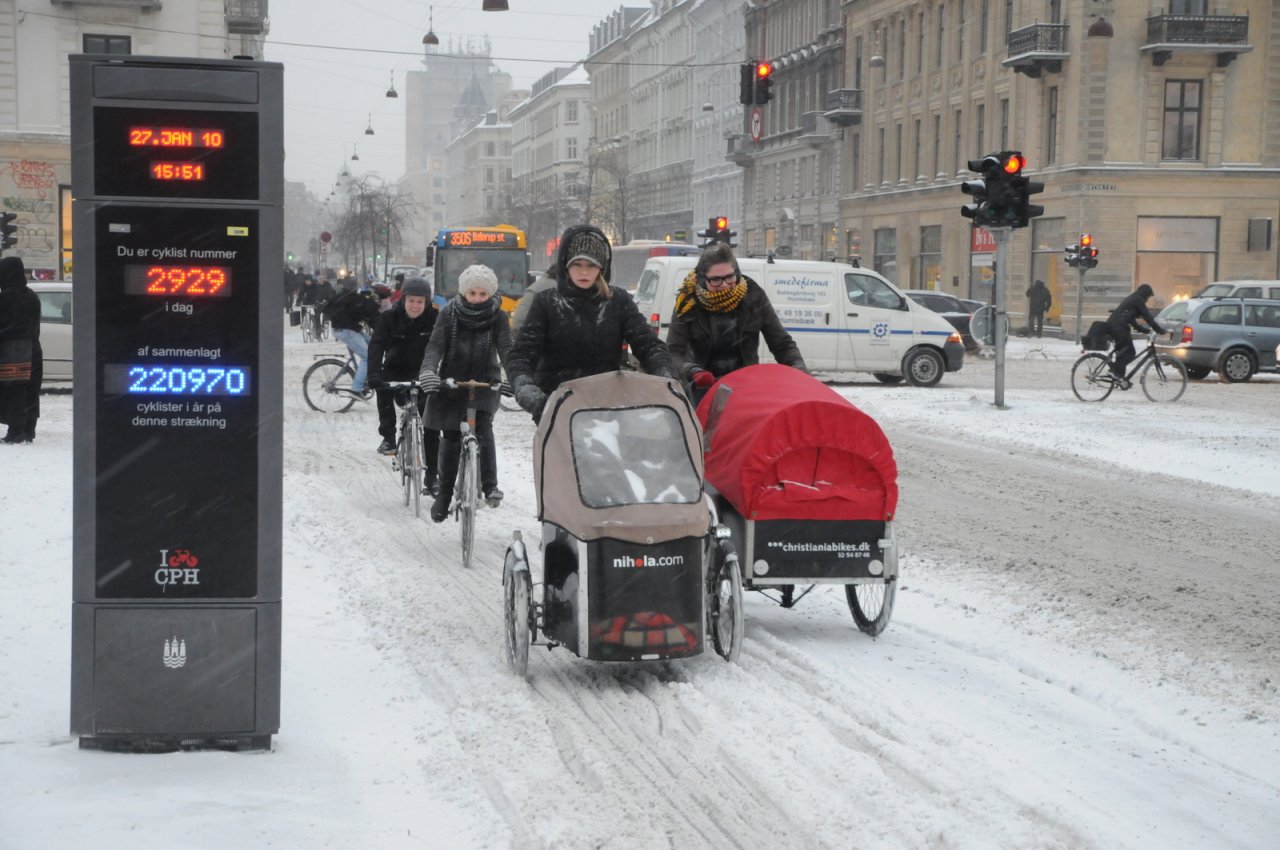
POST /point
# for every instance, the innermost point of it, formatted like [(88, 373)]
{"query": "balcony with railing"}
[(246, 17), (1225, 35), (844, 107), (813, 130), (1036, 49), (739, 150)]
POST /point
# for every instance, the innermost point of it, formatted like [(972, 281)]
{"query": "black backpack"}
[(1098, 338)]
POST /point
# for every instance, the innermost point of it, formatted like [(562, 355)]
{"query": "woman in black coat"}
[(470, 338), (579, 326), (720, 315), (21, 359), (400, 337)]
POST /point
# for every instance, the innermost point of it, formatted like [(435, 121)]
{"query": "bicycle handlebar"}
[(474, 385), (399, 385)]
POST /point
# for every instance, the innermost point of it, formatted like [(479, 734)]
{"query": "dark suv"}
[(1235, 337), (950, 308)]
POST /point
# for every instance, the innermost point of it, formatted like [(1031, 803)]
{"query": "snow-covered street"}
[(1085, 653)]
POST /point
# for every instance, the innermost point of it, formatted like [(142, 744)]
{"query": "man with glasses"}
[(719, 317)]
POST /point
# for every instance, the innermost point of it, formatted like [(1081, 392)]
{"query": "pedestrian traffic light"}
[(763, 83), (7, 228), (747, 84), (981, 189), (1088, 253)]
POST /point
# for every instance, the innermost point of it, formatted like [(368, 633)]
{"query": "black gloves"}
[(528, 395)]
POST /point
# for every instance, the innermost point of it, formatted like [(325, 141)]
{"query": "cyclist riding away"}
[(470, 337), (1124, 316), (348, 312), (395, 354)]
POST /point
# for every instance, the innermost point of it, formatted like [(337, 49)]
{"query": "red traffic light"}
[(722, 223), (1014, 164), (764, 70)]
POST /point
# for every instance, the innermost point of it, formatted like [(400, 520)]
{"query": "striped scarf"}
[(724, 301)]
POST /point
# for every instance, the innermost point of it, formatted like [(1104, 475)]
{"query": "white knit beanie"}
[(478, 277)]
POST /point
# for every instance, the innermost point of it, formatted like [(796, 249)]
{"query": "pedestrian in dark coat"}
[(1039, 300), (471, 338), (719, 316), (399, 340), (579, 326), (21, 358), (1124, 316)]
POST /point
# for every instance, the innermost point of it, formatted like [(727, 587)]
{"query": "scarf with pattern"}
[(723, 301), (474, 318)]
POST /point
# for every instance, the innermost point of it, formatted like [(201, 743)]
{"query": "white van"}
[(844, 319)]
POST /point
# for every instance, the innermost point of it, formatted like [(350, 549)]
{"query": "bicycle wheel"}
[(1164, 378), (1091, 378), (321, 382), (468, 496), (871, 605), (417, 468), (724, 607), (306, 326)]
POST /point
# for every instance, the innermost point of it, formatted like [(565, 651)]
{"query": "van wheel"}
[(886, 378), (1198, 373), (1236, 366), (923, 367)]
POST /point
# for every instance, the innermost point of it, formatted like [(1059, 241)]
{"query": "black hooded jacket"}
[(571, 333), (1133, 307), (19, 339), (398, 343)]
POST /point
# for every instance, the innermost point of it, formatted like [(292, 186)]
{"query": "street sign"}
[(757, 124), (983, 323)]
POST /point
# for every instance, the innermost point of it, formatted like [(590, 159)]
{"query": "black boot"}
[(447, 467)]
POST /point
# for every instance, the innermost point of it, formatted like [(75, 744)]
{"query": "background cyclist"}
[(348, 312), (1124, 316)]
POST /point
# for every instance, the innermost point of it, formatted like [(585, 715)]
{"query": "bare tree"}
[(373, 222)]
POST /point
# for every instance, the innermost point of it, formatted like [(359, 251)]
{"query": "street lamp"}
[(494, 6), (431, 38)]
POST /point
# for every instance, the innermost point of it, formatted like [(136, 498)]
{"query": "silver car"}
[(1235, 337), (55, 328)]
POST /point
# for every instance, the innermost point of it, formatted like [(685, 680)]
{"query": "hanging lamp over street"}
[(431, 38), (391, 90), (368, 131)]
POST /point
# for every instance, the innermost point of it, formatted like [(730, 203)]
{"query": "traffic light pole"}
[(1001, 235), (1080, 304)]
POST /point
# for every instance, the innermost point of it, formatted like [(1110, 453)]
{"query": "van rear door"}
[(878, 324)]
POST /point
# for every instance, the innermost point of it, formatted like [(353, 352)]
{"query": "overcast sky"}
[(340, 56)]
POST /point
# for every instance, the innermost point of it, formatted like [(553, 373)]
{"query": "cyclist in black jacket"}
[(1124, 316), (395, 354), (348, 312)]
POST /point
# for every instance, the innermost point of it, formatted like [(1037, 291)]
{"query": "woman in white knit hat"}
[(471, 336)]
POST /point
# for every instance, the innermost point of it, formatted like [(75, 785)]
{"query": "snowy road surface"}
[(1084, 654)]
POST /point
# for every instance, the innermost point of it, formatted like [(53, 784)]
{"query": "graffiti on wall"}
[(30, 189)]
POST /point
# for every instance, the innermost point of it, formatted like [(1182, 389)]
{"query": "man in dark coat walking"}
[(21, 359), (1039, 300), (1124, 316)]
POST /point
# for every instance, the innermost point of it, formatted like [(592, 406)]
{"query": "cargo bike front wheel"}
[(724, 605), (871, 604)]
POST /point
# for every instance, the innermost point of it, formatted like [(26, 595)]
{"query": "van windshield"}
[(1213, 290)]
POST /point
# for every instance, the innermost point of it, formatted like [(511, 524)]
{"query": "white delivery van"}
[(844, 319)]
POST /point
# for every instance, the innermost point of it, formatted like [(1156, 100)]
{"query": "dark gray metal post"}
[(177, 171), (1001, 235)]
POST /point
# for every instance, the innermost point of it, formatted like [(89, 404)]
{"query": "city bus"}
[(502, 248)]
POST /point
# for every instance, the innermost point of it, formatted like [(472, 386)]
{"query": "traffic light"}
[(1072, 257), (1020, 210), (7, 228), (708, 236), (981, 189), (747, 84), (289, 257), (1088, 253), (763, 83), (723, 233)]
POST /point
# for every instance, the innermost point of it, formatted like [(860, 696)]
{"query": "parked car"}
[(950, 308), (1235, 337), (1269, 289), (971, 305), (55, 328)]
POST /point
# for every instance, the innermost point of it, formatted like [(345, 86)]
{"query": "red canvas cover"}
[(784, 445)]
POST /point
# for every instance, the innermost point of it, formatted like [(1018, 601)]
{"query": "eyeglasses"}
[(727, 280)]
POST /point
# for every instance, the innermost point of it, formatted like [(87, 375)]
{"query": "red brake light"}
[(655, 320), (1187, 333)]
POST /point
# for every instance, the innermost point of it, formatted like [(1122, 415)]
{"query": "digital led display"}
[(190, 281), (207, 153), (484, 238), (177, 171), (161, 379), (176, 137)]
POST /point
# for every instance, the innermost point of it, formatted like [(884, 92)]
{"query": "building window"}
[(960, 31), (898, 140), (488, 176), (920, 28), (1048, 235), (1051, 128), (885, 259), (1008, 16), (1181, 120), (984, 20), (1188, 7), (857, 62), (1004, 124), (915, 161), (855, 176), (489, 149), (902, 48), (571, 112), (979, 143), (571, 148), (930, 261), (959, 160), (880, 170), (937, 143), (942, 35), (118, 44)]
